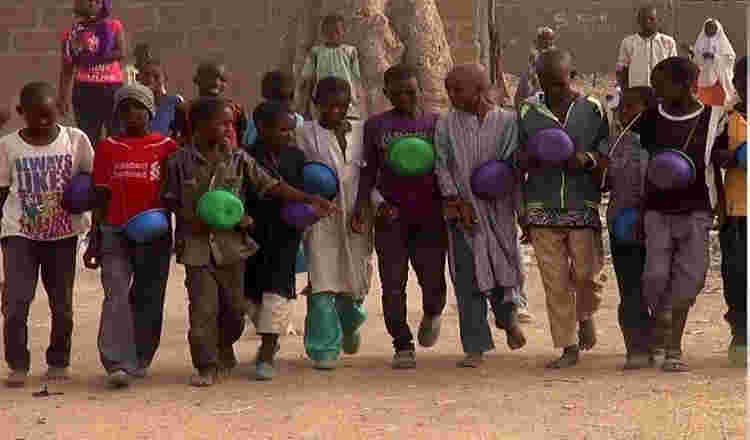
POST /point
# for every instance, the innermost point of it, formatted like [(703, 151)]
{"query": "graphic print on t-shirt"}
[(41, 182)]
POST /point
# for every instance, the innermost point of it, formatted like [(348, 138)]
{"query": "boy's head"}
[(134, 108), (545, 39), (675, 79), (142, 54), (211, 77), (278, 86), (213, 120), (90, 9), (634, 101), (740, 79), (468, 85), (333, 29), (402, 88), (555, 71), (333, 96), (274, 122), (152, 75), (648, 20), (711, 28), (38, 106)]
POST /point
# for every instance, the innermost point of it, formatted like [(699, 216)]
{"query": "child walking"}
[(677, 221), (561, 205), (91, 55), (270, 275), (215, 260), (339, 259), (333, 58), (484, 254), (276, 86), (211, 78), (733, 234), (128, 176), (170, 116), (625, 180), (409, 224), (36, 164)]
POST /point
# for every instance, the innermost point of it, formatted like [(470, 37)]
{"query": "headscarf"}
[(476, 74), (721, 67)]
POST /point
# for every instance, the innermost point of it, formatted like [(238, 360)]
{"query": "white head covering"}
[(721, 67)]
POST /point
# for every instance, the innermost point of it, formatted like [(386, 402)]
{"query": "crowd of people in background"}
[(163, 153)]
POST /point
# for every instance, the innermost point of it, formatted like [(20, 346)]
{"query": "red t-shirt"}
[(131, 168)]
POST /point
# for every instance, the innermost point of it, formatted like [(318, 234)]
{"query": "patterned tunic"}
[(463, 143)]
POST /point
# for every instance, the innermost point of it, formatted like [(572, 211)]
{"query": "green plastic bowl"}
[(220, 209), (411, 156)]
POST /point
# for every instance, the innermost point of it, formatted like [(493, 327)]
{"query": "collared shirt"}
[(189, 176), (640, 55)]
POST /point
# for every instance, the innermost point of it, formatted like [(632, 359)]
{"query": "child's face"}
[(631, 107), (333, 109), (142, 55), (285, 94), (555, 81), (711, 28), (278, 133), (217, 130), (87, 8), (213, 81), (648, 21), (403, 94), (334, 33), (152, 76), (545, 41), (134, 116), (40, 116), (464, 94)]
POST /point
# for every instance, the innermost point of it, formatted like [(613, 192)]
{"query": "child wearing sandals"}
[(677, 221)]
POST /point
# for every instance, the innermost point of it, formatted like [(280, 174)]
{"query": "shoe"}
[(16, 378), (202, 379), (568, 359), (351, 343), (471, 360), (57, 373), (524, 316), (324, 365), (118, 379), (637, 361), (264, 371), (429, 331), (404, 360)]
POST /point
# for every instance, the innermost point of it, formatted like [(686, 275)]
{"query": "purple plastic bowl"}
[(299, 215), (79, 196), (492, 180), (551, 146), (671, 169)]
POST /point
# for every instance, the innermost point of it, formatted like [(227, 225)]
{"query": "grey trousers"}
[(134, 278), (24, 259)]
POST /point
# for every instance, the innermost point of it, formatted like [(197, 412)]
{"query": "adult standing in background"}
[(640, 52), (715, 56), (528, 84)]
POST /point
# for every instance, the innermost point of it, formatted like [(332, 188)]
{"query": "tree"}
[(385, 32)]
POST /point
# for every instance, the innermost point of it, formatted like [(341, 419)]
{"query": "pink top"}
[(85, 43)]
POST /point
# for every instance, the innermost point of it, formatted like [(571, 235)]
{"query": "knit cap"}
[(138, 93)]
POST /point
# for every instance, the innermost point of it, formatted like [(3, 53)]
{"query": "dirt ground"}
[(511, 397)]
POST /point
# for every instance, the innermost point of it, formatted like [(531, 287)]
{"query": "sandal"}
[(586, 335), (674, 365), (515, 337), (568, 359)]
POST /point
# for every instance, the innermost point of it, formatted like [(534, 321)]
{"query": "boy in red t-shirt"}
[(128, 175)]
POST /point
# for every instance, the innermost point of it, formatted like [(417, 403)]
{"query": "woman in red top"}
[(91, 55), (128, 175)]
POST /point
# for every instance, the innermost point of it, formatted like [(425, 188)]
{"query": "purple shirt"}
[(416, 198)]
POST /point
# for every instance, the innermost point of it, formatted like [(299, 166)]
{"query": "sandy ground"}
[(511, 397)]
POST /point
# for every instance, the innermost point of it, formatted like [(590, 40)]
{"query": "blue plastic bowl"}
[(321, 180), (623, 228), (742, 156), (148, 226)]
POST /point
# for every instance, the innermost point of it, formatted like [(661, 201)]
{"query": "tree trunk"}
[(385, 33)]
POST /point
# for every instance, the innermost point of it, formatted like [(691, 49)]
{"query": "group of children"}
[(164, 154)]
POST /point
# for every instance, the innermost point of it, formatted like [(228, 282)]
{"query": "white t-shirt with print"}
[(37, 177)]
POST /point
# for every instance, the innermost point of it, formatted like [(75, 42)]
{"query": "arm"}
[(4, 117), (448, 186), (67, 72), (240, 125), (368, 175), (180, 121), (307, 84), (623, 63), (721, 155)]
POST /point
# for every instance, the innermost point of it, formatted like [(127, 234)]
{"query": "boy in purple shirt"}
[(409, 224)]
